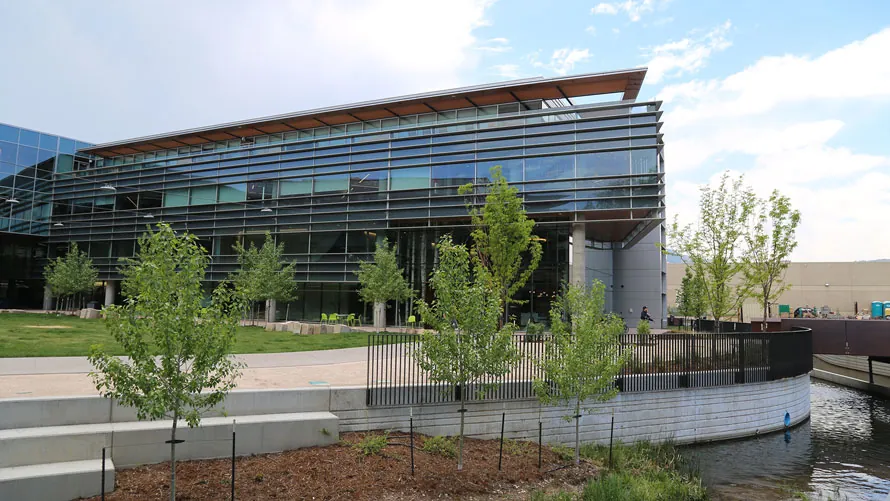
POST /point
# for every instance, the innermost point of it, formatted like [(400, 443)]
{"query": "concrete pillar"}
[(47, 298), (271, 307), (110, 292), (380, 316), (578, 273)]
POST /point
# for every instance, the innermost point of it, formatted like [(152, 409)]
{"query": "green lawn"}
[(28, 335)]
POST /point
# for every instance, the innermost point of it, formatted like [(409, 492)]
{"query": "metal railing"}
[(656, 362)]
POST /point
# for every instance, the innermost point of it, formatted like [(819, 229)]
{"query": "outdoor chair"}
[(412, 321), (351, 320), (324, 318), (333, 318)]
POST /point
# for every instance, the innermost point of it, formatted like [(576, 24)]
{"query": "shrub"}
[(534, 331), (516, 447), (643, 328), (442, 446), (371, 444), (564, 452)]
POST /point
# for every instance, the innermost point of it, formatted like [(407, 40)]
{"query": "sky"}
[(794, 95)]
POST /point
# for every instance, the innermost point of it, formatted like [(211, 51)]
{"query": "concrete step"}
[(56, 481), (142, 442)]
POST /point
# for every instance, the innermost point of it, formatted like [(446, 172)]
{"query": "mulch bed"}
[(341, 472)]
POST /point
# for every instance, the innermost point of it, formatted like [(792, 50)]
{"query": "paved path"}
[(80, 365)]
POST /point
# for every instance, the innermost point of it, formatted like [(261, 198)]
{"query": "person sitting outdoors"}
[(644, 315)]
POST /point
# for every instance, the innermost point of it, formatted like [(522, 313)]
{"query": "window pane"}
[(176, 198), (511, 170), (294, 243), (453, 175), (203, 195), (8, 133), (327, 243), (27, 156), (544, 168), (409, 179), (373, 181), (295, 186), (232, 192), (261, 190), (48, 142), (64, 163), (334, 183), (7, 152), (105, 203), (609, 163), (66, 145), (643, 162), (29, 137)]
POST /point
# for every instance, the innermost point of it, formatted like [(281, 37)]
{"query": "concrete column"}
[(380, 316), (271, 307), (47, 298), (110, 292), (578, 273)]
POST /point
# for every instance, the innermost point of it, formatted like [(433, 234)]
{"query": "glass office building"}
[(28, 162), (332, 183)]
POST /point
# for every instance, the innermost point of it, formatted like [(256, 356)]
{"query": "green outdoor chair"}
[(324, 318), (412, 321), (350, 319), (333, 318)]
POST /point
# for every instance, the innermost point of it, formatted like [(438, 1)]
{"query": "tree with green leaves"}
[(583, 354), (71, 275), (713, 247), (177, 347), (466, 346), (690, 296), (263, 275), (503, 238), (382, 281), (770, 241)]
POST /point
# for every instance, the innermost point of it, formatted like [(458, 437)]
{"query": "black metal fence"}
[(655, 362)]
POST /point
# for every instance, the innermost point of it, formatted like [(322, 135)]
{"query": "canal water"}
[(841, 453)]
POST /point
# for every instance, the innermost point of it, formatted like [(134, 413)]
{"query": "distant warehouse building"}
[(842, 287)]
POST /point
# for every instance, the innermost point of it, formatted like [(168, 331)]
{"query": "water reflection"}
[(842, 452)]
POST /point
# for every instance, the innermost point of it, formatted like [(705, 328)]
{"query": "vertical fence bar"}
[(411, 425), (501, 451), (233, 460), (103, 474)]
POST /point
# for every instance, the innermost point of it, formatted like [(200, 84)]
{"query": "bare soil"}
[(341, 472)]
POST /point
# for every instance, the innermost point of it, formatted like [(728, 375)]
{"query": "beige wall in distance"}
[(836, 285)]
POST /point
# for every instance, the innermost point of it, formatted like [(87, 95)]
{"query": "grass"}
[(640, 472), (26, 335)]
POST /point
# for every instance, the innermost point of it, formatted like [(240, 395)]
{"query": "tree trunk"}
[(460, 439), (765, 308), (577, 432), (380, 316), (173, 459)]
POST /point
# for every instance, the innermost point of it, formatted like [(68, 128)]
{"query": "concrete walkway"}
[(69, 376)]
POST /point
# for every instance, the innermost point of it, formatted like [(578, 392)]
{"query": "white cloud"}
[(591, 30), (562, 61), (634, 8), (507, 70), (616, 31), (223, 63), (685, 56), (495, 45), (780, 122)]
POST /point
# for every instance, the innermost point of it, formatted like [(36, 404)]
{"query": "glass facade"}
[(331, 193)]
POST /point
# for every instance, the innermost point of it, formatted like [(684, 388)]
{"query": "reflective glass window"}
[(453, 174), (9, 133), (49, 142), (544, 168), (645, 119), (201, 195), (261, 190), (29, 138), (333, 183), (232, 192), (644, 161), (82, 205), (607, 163), (302, 186), (369, 181), (327, 243), (601, 134), (294, 243), (408, 152), (502, 143), (176, 198), (510, 169), (44, 155), (8, 152), (24, 182), (104, 203), (603, 123), (65, 163), (409, 179), (27, 156)]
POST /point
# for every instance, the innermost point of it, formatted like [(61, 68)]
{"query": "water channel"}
[(841, 453)]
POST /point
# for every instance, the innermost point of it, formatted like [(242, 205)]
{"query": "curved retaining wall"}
[(682, 415)]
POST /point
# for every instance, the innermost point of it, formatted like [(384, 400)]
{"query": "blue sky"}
[(795, 95)]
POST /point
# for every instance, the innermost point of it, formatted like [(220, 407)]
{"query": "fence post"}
[(411, 425), (233, 460), (103, 474), (501, 452), (740, 376), (540, 442)]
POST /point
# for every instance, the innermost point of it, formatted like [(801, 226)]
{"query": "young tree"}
[(263, 275), (502, 238), (382, 281), (163, 316), (690, 296), (466, 346), (71, 275), (770, 242), (583, 355), (712, 247)]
